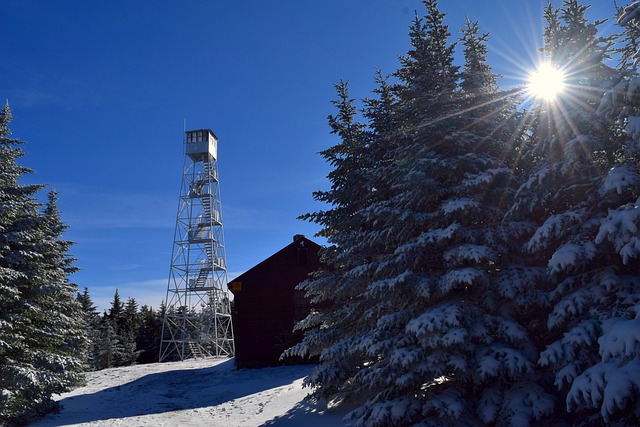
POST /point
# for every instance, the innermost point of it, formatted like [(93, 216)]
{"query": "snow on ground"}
[(192, 393)]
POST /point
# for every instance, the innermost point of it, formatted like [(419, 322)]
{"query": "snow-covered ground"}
[(192, 393)]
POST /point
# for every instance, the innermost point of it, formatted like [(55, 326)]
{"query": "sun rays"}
[(546, 82)]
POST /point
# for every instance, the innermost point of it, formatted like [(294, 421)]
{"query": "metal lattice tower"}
[(197, 321)]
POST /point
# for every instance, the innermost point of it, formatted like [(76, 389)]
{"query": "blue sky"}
[(100, 91)]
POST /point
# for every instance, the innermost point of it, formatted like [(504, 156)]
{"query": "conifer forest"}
[(483, 256)]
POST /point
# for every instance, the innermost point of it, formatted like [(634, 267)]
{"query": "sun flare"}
[(547, 82)]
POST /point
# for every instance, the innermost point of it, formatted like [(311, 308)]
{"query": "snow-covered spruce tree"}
[(91, 324), (122, 319), (391, 378), (59, 320), (19, 219), (494, 138), (607, 389), (41, 339), (334, 330), (107, 348), (579, 177), (129, 331), (445, 348)]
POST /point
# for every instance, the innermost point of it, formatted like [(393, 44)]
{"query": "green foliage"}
[(42, 341), (123, 336), (149, 334)]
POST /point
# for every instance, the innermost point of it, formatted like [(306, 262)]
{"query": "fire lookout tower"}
[(197, 321)]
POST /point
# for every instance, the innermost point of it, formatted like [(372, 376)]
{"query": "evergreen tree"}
[(60, 324), (129, 332), (116, 312), (91, 322), (123, 324), (108, 349), (18, 233), (337, 289), (88, 307), (149, 335), (446, 338), (123, 335), (577, 181), (602, 374), (41, 337)]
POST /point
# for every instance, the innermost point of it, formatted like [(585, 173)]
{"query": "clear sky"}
[(100, 90)]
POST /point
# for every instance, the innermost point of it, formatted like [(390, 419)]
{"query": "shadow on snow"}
[(308, 407), (169, 391)]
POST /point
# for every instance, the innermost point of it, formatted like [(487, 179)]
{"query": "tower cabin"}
[(267, 305), (201, 143)]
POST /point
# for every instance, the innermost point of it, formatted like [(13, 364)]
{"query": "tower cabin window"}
[(198, 136)]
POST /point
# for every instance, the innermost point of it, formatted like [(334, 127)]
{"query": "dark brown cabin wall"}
[(264, 312)]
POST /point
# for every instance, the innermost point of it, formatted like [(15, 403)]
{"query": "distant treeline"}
[(123, 335)]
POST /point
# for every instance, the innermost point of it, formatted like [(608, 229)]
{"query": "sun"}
[(546, 82)]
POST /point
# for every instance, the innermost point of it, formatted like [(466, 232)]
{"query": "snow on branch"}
[(392, 411), (460, 278), (393, 320), (578, 148), (606, 385), (499, 361), (571, 255), (485, 178), (576, 303), (384, 286), (613, 100), (448, 405), (621, 228), (505, 329), (633, 89), (633, 127), (630, 18), (630, 15), (437, 319), (567, 374), (525, 402), (554, 227), (520, 284), (622, 341), (434, 236), (535, 180), (406, 357), (470, 253), (459, 205), (489, 405), (361, 270), (621, 177), (565, 351)]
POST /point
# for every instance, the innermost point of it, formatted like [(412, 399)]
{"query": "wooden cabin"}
[(266, 305)]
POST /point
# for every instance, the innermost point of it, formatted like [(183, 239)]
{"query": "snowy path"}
[(192, 393)]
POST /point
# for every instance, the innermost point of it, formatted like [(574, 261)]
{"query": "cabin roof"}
[(298, 239)]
